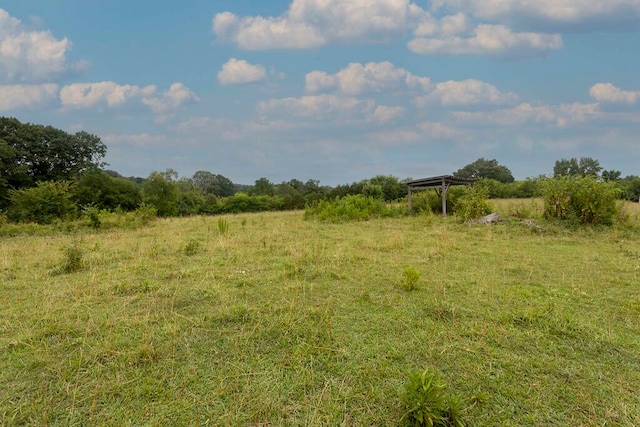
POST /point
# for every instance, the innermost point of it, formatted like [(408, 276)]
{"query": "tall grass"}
[(292, 322)]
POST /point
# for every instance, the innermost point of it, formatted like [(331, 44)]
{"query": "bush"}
[(43, 204), (351, 208), (426, 402), (580, 199), (473, 203)]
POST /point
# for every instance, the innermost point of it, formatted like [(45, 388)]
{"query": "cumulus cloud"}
[(170, 100), (111, 94), (83, 95), (560, 15), (238, 71), (437, 130), (357, 79), (464, 93), (526, 114), (384, 114), (484, 39), (31, 56), (606, 92), (318, 107), (313, 23), (15, 97)]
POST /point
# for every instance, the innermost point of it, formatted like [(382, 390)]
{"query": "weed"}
[(92, 213), (427, 403), (72, 260), (192, 247), (411, 278), (223, 226)]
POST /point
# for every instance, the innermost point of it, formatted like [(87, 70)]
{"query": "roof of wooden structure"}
[(438, 182)]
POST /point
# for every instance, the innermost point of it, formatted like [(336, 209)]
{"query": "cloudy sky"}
[(335, 90)]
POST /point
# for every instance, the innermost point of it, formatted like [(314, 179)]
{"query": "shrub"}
[(426, 402), (42, 204), (411, 278), (72, 260), (192, 247), (580, 199), (351, 208), (92, 213), (473, 203)]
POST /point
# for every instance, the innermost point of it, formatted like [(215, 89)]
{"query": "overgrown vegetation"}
[(292, 322), (352, 208), (580, 200)]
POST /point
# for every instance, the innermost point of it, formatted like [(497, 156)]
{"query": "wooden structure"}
[(439, 183)]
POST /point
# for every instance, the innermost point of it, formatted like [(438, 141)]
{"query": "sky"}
[(330, 90)]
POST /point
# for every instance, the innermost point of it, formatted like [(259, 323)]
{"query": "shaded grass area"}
[(281, 321)]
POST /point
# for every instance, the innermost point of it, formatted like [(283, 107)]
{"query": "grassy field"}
[(281, 321)]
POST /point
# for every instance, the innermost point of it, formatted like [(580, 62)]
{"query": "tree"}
[(44, 153), (263, 187), (586, 166), (483, 168), (611, 175), (211, 184), (161, 191), (103, 190)]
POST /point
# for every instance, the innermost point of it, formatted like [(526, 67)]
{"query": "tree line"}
[(47, 173)]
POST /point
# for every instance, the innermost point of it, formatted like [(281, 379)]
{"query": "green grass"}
[(281, 321)]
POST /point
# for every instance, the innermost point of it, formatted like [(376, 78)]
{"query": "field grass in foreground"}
[(281, 321)]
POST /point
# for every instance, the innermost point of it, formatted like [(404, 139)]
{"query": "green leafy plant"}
[(192, 247), (223, 226), (473, 203), (580, 200), (426, 402), (352, 208), (92, 213), (411, 278), (72, 260)]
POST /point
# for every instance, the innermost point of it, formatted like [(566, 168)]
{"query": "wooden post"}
[(409, 199), (443, 194)]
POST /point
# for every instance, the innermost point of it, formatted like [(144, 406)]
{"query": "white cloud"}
[(14, 97), (606, 92), (141, 140), (556, 14), (497, 40), (318, 107), (313, 23), (237, 71), (357, 79), (31, 56), (111, 94), (83, 95), (383, 114), (437, 130), (466, 92), (526, 114), (172, 99)]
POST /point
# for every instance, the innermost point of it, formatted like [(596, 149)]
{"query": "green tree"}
[(611, 175), (161, 191), (44, 153), (43, 204), (101, 189), (211, 184), (392, 188), (263, 187), (586, 166), (483, 168)]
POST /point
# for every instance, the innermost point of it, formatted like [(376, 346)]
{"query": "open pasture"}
[(280, 321)]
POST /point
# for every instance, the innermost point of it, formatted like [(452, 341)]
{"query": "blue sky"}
[(334, 90)]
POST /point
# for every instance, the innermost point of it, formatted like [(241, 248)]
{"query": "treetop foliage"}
[(483, 168)]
